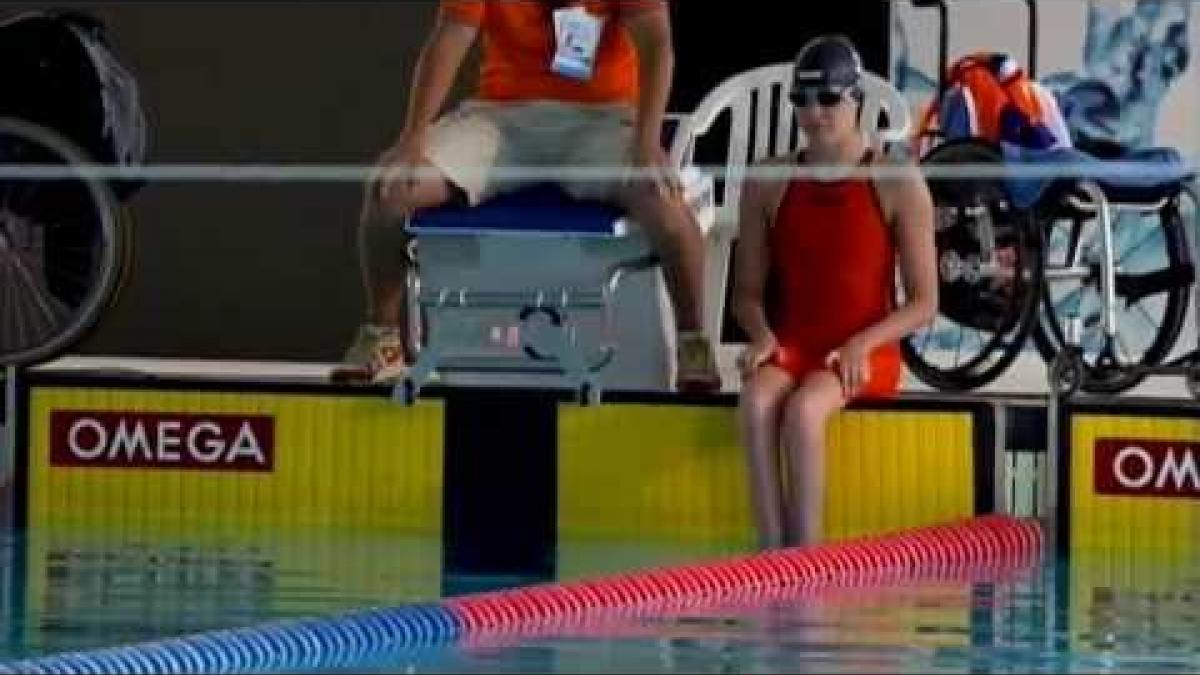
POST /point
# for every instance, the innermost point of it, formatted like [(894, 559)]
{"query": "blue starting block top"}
[(538, 210)]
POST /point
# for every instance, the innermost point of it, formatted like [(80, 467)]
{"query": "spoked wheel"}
[(61, 251), (989, 276), (1153, 286)]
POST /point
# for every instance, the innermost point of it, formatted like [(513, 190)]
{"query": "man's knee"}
[(390, 198)]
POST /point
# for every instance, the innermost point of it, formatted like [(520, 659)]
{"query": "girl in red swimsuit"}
[(815, 292)]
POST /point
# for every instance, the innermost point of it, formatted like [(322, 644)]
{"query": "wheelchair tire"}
[(992, 309), (61, 248), (1100, 378)]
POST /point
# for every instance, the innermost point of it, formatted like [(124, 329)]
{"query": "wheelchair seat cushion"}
[(1142, 176), (536, 210), (1155, 174)]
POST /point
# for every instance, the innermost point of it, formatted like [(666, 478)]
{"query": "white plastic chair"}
[(762, 125)]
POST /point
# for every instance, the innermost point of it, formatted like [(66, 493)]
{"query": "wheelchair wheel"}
[(60, 248), (1154, 279), (989, 276)]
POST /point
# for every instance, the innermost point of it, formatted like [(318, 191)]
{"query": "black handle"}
[(1031, 5)]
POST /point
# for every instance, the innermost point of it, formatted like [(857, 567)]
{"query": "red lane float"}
[(986, 543)]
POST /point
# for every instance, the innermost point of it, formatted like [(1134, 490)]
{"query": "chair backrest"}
[(762, 124)]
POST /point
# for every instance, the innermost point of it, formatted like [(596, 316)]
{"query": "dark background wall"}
[(268, 271)]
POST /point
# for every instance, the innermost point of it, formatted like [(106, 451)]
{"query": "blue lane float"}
[(285, 646)]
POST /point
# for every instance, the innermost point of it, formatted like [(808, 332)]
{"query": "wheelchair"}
[(1097, 269), (1009, 272), (64, 227)]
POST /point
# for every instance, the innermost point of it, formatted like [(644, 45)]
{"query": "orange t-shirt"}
[(518, 48)]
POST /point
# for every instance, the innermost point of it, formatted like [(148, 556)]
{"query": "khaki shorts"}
[(473, 146)]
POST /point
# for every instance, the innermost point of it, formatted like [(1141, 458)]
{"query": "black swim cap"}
[(828, 62)]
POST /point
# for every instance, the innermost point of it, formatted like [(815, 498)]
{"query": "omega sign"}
[(1155, 468), (162, 441)]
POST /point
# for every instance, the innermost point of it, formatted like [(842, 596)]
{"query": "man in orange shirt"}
[(578, 84)]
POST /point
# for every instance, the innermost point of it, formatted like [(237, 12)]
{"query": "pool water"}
[(70, 591)]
